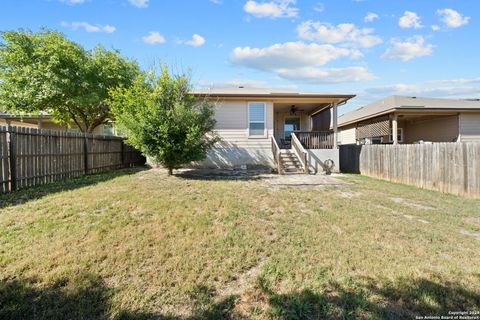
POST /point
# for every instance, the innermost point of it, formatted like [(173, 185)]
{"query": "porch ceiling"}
[(305, 107)]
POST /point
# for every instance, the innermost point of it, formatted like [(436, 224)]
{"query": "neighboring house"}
[(269, 127), (46, 122), (415, 120)]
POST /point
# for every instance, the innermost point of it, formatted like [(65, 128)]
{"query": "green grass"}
[(137, 244)]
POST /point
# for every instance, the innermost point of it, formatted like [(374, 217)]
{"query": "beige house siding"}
[(442, 129), (348, 135), (469, 127), (48, 125), (3, 122), (236, 147)]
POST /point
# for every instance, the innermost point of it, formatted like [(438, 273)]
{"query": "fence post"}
[(12, 156), (123, 153), (85, 153)]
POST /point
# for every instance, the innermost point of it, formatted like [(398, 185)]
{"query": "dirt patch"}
[(475, 235), (303, 181), (411, 203), (243, 282), (406, 216), (349, 194), (475, 221)]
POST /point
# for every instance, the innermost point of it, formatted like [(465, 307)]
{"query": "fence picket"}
[(447, 167), (30, 157)]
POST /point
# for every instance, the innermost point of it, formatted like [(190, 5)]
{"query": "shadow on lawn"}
[(37, 192), (405, 299), (86, 296)]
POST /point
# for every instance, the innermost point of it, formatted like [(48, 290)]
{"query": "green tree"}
[(45, 72), (163, 120)]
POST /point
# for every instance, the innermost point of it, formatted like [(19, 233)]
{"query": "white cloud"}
[(271, 9), (89, 27), (422, 90), (435, 27), (370, 17), (139, 3), (301, 62), (410, 20), (196, 41), (235, 83), (287, 55), (414, 47), (327, 75), (73, 2), (452, 18), (346, 33), (154, 37), (319, 7), (456, 81), (216, 1)]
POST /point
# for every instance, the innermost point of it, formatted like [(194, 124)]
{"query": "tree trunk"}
[(170, 171)]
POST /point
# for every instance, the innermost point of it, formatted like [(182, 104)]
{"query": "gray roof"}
[(393, 103), (265, 92)]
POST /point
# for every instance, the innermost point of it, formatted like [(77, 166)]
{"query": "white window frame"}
[(264, 121), (390, 135)]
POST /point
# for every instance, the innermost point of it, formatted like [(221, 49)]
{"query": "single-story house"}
[(286, 130), (45, 121), (414, 119)]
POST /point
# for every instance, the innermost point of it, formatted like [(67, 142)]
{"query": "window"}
[(377, 140), (256, 118), (399, 135), (108, 129)]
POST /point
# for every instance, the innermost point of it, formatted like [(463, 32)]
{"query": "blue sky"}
[(372, 48)]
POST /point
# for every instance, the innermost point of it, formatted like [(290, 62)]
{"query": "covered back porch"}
[(304, 134)]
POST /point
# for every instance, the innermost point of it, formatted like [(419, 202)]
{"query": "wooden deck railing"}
[(276, 154), (300, 151), (316, 139)]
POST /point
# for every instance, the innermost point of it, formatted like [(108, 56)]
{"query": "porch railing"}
[(276, 154), (300, 152), (316, 139)]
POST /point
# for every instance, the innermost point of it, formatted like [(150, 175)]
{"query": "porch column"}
[(335, 125), (395, 128)]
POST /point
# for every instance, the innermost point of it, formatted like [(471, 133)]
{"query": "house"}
[(286, 130), (414, 119), (44, 121)]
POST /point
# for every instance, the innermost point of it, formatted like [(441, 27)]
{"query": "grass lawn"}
[(137, 244)]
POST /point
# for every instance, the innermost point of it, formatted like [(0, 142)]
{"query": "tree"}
[(163, 120), (45, 72)]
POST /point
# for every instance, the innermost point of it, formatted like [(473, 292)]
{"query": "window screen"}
[(256, 116)]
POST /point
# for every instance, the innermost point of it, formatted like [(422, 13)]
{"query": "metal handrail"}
[(300, 152)]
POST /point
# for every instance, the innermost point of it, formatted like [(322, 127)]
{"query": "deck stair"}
[(290, 163)]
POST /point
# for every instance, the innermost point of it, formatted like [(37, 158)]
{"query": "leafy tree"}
[(45, 72), (163, 120)]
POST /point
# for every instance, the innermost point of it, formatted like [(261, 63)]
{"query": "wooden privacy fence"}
[(31, 157), (446, 167)]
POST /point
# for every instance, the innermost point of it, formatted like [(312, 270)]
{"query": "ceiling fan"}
[(294, 109)]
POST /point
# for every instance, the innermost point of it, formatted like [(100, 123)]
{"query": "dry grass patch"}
[(139, 245)]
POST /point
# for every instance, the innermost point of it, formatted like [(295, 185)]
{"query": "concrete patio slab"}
[(305, 180)]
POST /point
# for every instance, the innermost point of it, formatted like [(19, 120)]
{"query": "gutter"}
[(330, 106), (404, 108)]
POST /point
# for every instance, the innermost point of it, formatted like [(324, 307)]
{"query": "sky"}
[(371, 48)]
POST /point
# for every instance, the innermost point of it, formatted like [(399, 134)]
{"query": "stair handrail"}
[(276, 154), (300, 152)]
